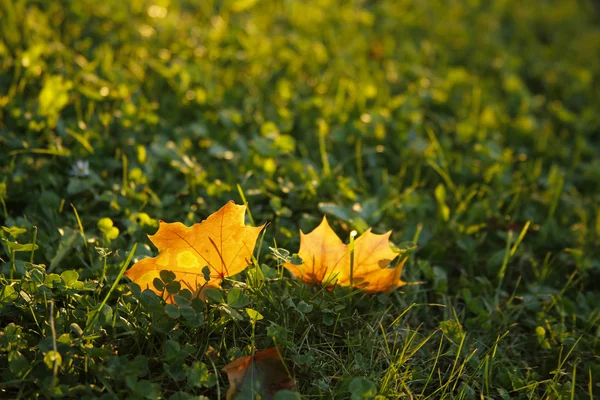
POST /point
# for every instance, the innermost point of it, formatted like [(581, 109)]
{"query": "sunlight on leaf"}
[(327, 260), (222, 243)]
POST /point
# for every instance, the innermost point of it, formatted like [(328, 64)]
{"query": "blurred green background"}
[(461, 124)]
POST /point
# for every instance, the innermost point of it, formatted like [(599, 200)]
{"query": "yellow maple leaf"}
[(326, 260), (222, 242)]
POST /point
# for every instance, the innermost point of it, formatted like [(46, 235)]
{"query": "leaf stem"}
[(241, 192), (352, 235)]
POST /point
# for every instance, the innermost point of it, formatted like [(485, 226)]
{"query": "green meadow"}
[(470, 129)]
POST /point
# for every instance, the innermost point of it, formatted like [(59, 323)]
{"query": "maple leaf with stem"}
[(222, 242), (366, 264)]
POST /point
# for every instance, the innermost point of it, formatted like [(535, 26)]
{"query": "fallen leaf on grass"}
[(222, 242), (264, 374), (326, 260)]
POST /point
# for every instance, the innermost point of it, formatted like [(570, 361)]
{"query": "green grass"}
[(468, 127)]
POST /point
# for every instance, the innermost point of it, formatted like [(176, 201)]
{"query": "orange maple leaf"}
[(326, 260), (222, 242), (264, 374)]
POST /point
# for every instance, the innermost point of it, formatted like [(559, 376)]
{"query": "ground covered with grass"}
[(470, 128)]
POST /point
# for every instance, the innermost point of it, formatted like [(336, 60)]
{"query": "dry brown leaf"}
[(222, 242), (263, 375), (326, 260)]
